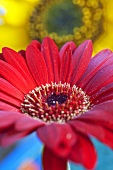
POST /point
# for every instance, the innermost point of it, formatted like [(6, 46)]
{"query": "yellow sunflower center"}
[(65, 20), (55, 102)]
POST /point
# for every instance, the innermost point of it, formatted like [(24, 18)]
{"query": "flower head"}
[(64, 95), (63, 21), (67, 20)]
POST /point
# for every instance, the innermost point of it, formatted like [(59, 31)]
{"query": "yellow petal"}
[(108, 6), (32, 1), (105, 40), (15, 38), (16, 12)]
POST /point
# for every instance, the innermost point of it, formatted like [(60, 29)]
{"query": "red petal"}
[(66, 64), (103, 98), (10, 100), (8, 118), (13, 76), (96, 129), (27, 123), (64, 47), (7, 107), (53, 162), (83, 152), (104, 90), (102, 78), (99, 113), (107, 125), (18, 62), (59, 137), (104, 94), (9, 89), (36, 44), (51, 56), (81, 59), (36, 65), (9, 134), (1, 57), (87, 128), (94, 66), (10, 137), (22, 53), (106, 107), (108, 138)]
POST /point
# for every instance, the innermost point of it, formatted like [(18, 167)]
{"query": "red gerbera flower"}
[(64, 96)]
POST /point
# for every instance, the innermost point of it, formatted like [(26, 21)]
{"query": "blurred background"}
[(63, 20), (27, 154)]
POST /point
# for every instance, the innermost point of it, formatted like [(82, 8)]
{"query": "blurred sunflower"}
[(62, 20)]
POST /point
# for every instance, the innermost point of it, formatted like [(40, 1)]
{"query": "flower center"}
[(63, 15), (54, 98), (55, 102), (65, 20)]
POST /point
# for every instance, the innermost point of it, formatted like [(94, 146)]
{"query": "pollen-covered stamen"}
[(55, 102)]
